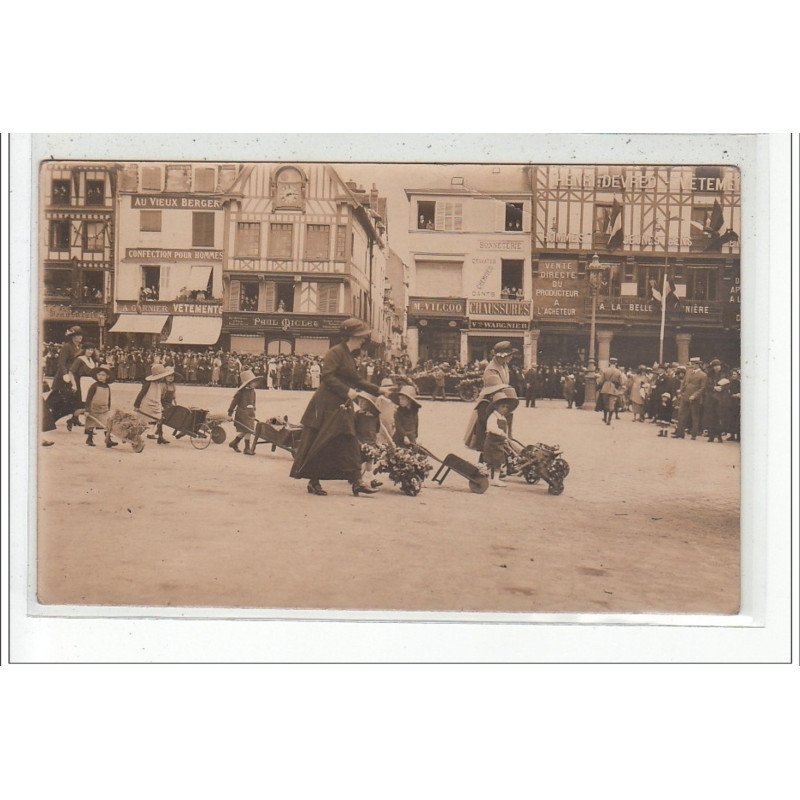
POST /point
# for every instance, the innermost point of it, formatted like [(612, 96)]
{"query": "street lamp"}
[(595, 270)]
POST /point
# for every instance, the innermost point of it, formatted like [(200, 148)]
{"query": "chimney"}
[(373, 197), (351, 184)]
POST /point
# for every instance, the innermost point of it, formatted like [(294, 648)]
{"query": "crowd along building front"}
[(516, 260), (76, 247), (306, 250)]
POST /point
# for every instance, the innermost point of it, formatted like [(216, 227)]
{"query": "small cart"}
[(537, 462), (478, 479), (278, 433), (194, 423)]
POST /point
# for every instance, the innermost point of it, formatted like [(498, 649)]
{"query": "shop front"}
[(58, 317), (174, 324), (281, 334), (437, 329)]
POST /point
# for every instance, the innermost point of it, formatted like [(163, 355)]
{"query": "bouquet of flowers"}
[(216, 419), (127, 427), (403, 466)]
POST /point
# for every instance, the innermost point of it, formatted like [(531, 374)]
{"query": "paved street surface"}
[(644, 524)]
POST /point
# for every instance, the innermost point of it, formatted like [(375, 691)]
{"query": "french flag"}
[(614, 229)]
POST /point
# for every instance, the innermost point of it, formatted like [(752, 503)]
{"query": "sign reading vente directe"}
[(557, 290), (176, 201)]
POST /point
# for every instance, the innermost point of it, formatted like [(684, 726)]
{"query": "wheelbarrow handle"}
[(150, 416), (425, 451)]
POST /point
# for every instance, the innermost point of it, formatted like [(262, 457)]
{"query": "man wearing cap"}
[(610, 382), (691, 403)]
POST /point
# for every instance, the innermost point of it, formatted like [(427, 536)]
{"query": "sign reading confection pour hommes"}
[(170, 254)]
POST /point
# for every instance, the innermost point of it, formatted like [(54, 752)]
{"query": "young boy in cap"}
[(98, 405), (244, 406), (497, 433)]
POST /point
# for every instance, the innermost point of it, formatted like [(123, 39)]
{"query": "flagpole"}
[(663, 313)]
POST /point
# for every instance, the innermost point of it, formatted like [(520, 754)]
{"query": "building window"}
[(59, 235), (426, 215), (318, 242), (328, 298), (644, 275), (205, 179), (514, 216), (179, 178), (511, 279), (248, 296), (701, 285), (602, 222), (280, 240), (92, 287), (248, 239), (151, 284), (151, 178), (95, 193), (61, 192), (341, 241), (700, 227), (58, 283), (451, 216), (150, 221), (203, 228), (94, 236), (284, 296)]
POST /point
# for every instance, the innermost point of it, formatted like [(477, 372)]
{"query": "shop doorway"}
[(480, 347), (439, 344), (279, 347)]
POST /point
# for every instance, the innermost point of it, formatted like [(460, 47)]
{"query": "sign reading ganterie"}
[(282, 323), (170, 254), (558, 291), (438, 306), (178, 201), (184, 308)]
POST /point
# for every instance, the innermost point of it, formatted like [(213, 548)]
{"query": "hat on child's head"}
[(387, 383), (508, 397), (159, 371), (102, 368), (247, 376), (369, 399), (411, 393)]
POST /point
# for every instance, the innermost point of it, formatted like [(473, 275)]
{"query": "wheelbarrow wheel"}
[(218, 434), (479, 485), (202, 438), (531, 477), (412, 487), (556, 488)]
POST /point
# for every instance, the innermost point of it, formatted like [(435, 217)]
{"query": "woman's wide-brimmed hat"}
[(491, 388), (388, 383), (159, 371), (370, 399), (103, 368), (75, 330), (411, 393), (247, 376), (355, 327), (509, 397)]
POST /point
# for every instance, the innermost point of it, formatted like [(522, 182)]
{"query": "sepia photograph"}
[(457, 387)]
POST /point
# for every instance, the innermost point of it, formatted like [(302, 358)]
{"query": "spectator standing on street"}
[(610, 382), (691, 405)]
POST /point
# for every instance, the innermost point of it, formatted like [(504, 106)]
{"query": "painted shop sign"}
[(508, 245), (558, 291), (170, 254), (283, 323), (640, 309), (500, 308), (186, 309), (732, 307), (437, 307), (498, 325), (61, 311), (570, 178), (177, 201)]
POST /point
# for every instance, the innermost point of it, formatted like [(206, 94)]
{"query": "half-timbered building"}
[(76, 247), (305, 251)]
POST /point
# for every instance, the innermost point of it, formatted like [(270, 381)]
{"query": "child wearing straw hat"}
[(149, 400), (387, 406), (367, 419), (406, 417), (497, 433), (244, 407), (98, 405)]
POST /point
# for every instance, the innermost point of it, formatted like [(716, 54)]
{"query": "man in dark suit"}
[(530, 387), (690, 410)]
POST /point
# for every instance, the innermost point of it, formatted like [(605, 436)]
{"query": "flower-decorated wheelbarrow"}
[(537, 462), (476, 474), (201, 427)]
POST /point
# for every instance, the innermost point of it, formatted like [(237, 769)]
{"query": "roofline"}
[(467, 193)]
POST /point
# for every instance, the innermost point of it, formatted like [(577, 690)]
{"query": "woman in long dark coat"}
[(64, 399), (336, 455)]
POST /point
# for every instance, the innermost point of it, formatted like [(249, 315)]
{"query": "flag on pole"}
[(614, 229), (717, 220), (657, 294)]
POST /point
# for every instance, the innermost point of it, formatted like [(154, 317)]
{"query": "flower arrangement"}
[(127, 427), (402, 465)]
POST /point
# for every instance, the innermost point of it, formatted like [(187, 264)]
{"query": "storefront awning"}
[(194, 330), (139, 323), (198, 278)]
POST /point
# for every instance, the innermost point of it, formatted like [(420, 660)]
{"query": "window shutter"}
[(267, 297), (457, 216), (234, 294), (328, 298), (438, 216)]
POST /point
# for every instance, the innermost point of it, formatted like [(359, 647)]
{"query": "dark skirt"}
[(337, 456), (62, 402)]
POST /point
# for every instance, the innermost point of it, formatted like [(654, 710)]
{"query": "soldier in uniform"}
[(610, 382), (691, 406)]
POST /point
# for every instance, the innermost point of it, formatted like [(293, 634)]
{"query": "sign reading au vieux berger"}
[(557, 290), (179, 201)]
